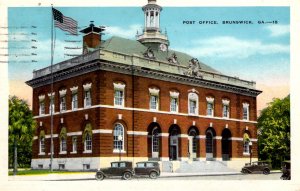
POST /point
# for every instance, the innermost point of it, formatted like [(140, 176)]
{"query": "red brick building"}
[(139, 100)]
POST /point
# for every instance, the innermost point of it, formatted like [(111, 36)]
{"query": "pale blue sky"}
[(258, 52)]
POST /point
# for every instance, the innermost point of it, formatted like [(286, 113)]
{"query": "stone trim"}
[(174, 94), (137, 133), (119, 86), (41, 97), (62, 92), (225, 101), (87, 86), (154, 91), (74, 89)]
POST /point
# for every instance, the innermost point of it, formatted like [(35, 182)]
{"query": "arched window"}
[(87, 138), (155, 140), (209, 142), (246, 140), (118, 137)]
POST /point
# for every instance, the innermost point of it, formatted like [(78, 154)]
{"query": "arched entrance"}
[(174, 132), (154, 141), (193, 143), (210, 143), (226, 144)]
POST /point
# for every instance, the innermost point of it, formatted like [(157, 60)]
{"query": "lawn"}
[(39, 172)]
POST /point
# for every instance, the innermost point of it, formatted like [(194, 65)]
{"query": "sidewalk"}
[(91, 176)]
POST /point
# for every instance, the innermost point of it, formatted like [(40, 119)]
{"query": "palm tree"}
[(21, 125)]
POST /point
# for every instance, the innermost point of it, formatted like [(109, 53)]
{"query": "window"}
[(225, 112), (246, 140), (74, 144), (193, 134), (118, 98), (118, 137), (174, 102), (52, 104), (87, 95), (115, 165), (74, 101), (87, 98), (63, 145), (42, 108), (63, 103), (154, 100), (193, 104), (119, 94), (210, 106), (209, 142), (42, 145), (40, 166), (155, 140), (86, 166), (140, 165), (245, 111), (88, 143), (61, 166)]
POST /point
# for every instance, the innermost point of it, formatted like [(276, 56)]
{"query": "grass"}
[(41, 172)]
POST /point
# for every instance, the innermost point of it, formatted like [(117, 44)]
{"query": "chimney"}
[(92, 37)]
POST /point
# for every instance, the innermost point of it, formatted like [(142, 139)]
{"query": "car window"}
[(149, 165), (115, 165), (122, 164), (140, 165)]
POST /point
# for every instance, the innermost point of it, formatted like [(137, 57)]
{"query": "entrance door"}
[(209, 146), (173, 147)]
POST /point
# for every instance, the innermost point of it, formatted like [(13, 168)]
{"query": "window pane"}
[(225, 111), (118, 131), (74, 101), (88, 143), (209, 142), (118, 97), (245, 113), (74, 142), (153, 102), (193, 106), (174, 104), (87, 98), (209, 109), (63, 103)]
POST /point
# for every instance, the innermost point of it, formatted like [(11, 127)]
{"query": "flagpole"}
[(52, 96)]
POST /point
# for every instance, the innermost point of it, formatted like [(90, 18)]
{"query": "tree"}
[(21, 128), (274, 131)]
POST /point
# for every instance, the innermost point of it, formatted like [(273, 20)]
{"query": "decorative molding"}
[(183, 135), (137, 133), (51, 95), (62, 92), (245, 104), (41, 97), (174, 94), (163, 134), (225, 101), (74, 133), (154, 91), (74, 89), (210, 99), (193, 96), (87, 86), (119, 86)]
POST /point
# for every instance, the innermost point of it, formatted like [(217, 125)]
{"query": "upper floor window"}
[(41, 104), (225, 103), (52, 104), (118, 137), (245, 111), (210, 106), (193, 104), (74, 97), (174, 101), (62, 104), (154, 98), (87, 95), (119, 94)]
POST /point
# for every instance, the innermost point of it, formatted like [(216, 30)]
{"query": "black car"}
[(147, 168), (286, 170), (257, 167), (121, 168)]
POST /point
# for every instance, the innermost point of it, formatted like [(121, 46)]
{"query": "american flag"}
[(64, 23)]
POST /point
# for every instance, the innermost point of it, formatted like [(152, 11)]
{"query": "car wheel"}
[(153, 175), (266, 171), (127, 176), (99, 176), (245, 171)]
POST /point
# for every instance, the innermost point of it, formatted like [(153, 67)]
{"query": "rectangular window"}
[(88, 143), (226, 111), (74, 144), (193, 106), (174, 104), (154, 102), (52, 106), (42, 108), (210, 109), (246, 147), (63, 103), (63, 146), (87, 98), (74, 101), (119, 98), (246, 112), (42, 145)]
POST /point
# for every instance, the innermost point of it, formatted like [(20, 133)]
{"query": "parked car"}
[(147, 168), (257, 167), (286, 170), (121, 168)]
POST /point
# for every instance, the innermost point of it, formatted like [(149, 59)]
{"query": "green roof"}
[(130, 47)]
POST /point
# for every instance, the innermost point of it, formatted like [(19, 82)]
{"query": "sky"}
[(255, 52)]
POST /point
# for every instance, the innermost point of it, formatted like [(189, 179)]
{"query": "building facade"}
[(139, 100)]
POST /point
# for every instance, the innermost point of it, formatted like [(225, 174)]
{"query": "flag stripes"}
[(64, 23)]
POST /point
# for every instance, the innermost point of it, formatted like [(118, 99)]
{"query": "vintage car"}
[(257, 167), (121, 168), (147, 168), (286, 170)]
